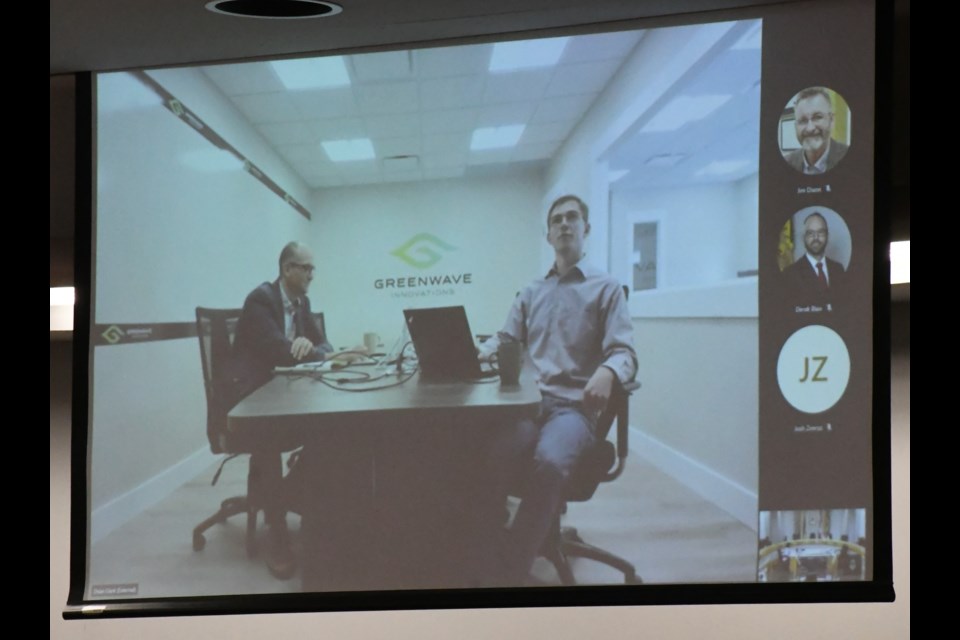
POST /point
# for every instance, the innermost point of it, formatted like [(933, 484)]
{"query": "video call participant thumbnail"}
[(814, 120), (814, 278)]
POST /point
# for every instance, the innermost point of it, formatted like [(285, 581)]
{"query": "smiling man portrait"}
[(814, 121)]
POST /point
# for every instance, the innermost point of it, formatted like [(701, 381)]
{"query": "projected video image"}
[(813, 545), (499, 314)]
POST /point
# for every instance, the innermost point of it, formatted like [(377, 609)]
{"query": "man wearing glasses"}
[(277, 329), (818, 152), (815, 277)]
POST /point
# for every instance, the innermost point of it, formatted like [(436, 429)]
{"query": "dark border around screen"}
[(82, 252), (882, 181), (879, 589)]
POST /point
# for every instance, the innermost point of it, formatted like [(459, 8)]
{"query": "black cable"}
[(377, 388)]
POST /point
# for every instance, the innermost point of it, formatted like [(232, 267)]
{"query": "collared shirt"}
[(820, 166), (813, 265), (571, 326), (289, 309)]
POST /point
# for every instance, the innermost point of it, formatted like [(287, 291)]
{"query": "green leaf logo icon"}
[(422, 250)]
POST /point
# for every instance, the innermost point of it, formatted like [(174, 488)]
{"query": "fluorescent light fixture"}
[(900, 262), (312, 73), (684, 110), (349, 150), (526, 54), (61, 308), (496, 137), (61, 296), (722, 167)]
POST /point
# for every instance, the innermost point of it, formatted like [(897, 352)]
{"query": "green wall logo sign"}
[(113, 334), (422, 250)]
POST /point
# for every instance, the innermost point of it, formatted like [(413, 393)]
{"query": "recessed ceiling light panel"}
[(275, 9)]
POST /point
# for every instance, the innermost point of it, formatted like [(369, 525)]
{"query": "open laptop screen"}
[(443, 342)]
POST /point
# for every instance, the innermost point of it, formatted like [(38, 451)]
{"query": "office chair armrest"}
[(622, 397)]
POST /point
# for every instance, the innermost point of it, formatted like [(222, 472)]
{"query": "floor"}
[(671, 534)]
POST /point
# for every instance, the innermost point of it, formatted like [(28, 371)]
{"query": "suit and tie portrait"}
[(815, 251)]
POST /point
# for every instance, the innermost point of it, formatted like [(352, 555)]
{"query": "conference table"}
[(391, 471)]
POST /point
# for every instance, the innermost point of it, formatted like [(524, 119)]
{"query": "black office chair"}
[(604, 462), (321, 323), (216, 330)]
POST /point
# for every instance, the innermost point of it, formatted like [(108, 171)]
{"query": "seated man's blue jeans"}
[(541, 453)]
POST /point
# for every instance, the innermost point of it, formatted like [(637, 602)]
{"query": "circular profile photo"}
[(813, 255), (815, 130), (813, 369)]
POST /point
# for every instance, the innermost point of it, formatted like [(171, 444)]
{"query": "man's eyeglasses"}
[(815, 234), (309, 268)]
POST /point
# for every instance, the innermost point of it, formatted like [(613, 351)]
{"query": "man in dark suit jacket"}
[(818, 152), (276, 329), (814, 278)]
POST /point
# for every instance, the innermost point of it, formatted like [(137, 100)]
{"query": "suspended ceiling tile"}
[(387, 65), (516, 86), (392, 97), (241, 79), (393, 126), (452, 61), (449, 121), (451, 93), (325, 103), (267, 107)]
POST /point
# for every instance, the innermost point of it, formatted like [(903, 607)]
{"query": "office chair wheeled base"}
[(229, 508), (570, 544)]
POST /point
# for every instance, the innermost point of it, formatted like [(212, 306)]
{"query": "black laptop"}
[(444, 345)]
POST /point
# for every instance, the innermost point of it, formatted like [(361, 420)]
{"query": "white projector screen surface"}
[(721, 160)]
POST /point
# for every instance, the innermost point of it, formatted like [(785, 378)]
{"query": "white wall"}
[(493, 225), (697, 412), (699, 400), (705, 231), (659, 59), (173, 234)]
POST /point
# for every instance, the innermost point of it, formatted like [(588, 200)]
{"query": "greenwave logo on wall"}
[(423, 251), (113, 334)]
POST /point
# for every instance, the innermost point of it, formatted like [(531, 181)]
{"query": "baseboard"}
[(112, 515), (730, 496)]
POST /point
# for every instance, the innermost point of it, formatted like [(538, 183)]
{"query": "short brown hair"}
[(584, 209)]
